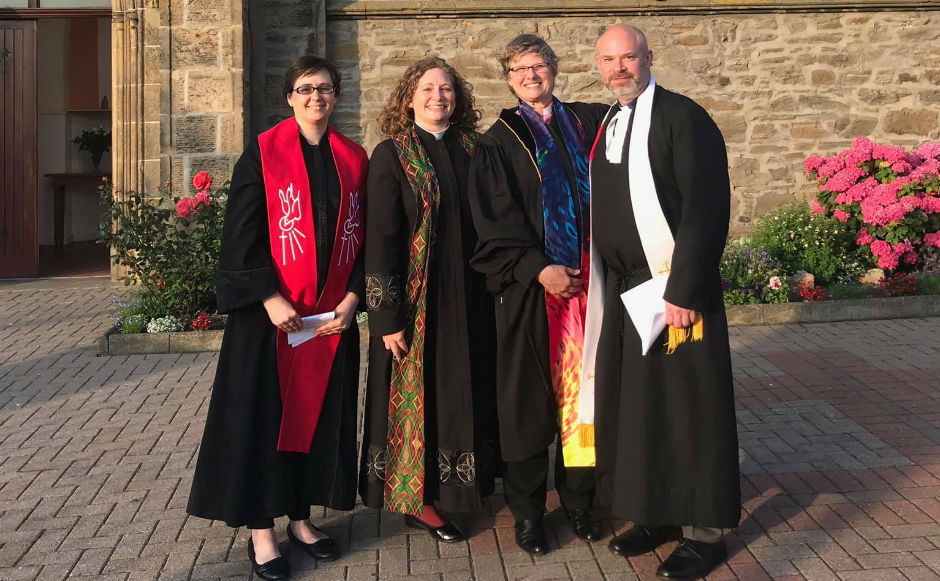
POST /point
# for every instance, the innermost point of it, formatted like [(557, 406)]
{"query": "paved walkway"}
[(838, 426)]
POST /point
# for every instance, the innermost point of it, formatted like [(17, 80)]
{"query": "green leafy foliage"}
[(818, 244), (750, 275), (172, 258)]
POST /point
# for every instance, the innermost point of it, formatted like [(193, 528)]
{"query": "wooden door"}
[(19, 244)]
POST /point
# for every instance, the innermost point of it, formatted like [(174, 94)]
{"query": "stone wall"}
[(281, 30), (203, 89), (780, 85)]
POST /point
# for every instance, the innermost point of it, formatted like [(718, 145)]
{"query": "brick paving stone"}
[(488, 566), (749, 571), (920, 573), (874, 574), (930, 558), (780, 568), (584, 570), (537, 572), (899, 559)]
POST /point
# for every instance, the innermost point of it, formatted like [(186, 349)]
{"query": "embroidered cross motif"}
[(350, 239), (290, 210)]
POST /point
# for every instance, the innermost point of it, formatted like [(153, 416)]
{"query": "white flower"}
[(775, 282), (165, 324)]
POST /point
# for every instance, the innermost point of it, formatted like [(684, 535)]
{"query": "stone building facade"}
[(783, 79)]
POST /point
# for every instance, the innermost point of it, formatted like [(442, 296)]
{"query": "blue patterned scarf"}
[(566, 317)]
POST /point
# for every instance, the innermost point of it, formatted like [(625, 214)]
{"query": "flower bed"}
[(170, 249), (875, 206)]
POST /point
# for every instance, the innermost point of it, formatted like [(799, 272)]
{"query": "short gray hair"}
[(524, 44)]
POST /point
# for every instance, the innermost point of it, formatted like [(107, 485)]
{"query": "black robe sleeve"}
[(387, 244), (246, 274), (357, 280), (700, 163), (591, 115), (509, 249)]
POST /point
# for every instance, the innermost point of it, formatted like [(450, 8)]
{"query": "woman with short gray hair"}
[(529, 194)]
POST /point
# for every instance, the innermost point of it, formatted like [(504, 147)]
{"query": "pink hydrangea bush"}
[(890, 196)]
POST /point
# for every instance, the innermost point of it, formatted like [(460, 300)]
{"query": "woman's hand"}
[(396, 344), (561, 281), (345, 315), (282, 314)]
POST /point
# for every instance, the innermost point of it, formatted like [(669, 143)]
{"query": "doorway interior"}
[(74, 73), (58, 201)]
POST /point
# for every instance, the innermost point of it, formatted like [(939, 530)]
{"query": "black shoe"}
[(641, 539), (530, 536), (324, 549), (584, 524), (448, 532), (276, 569), (693, 560)]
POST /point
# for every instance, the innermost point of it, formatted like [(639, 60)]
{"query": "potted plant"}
[(96, 141)]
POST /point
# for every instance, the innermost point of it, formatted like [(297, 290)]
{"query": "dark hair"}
[(309, 64), (524, 44), (398, 117)]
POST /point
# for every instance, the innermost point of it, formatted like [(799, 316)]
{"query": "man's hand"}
[(345, 313), (678, 317), (561, 281), (396, 344), (282, 314)]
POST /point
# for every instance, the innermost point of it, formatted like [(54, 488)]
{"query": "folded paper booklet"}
[(647, 309), (309, 330)]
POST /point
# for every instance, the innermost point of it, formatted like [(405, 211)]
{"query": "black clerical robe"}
[(506, 199), (461, 448), (666, 439), (240, 476)]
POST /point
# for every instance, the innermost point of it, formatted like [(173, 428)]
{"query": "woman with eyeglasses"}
[(280, 434), (430, 441), (529, 193)]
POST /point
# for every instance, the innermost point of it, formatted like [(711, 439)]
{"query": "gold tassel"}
[(698, 329), (586, 435), (680, 336)]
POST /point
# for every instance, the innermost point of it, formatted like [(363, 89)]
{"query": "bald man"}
[(666, 441)]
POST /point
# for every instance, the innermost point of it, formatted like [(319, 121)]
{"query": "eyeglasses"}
[(309, 89), (537, 68)]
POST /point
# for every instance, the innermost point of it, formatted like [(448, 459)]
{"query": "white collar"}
[(438, 135)]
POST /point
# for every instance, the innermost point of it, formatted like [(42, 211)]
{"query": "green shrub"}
[(171, 252), (852, 290), (816, 244), (750, 275), (928, 283), (133, 323)]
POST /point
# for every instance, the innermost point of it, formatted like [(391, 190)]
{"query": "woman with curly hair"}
[(430, 430)]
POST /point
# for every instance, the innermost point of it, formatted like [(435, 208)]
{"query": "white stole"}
[(655, 236)]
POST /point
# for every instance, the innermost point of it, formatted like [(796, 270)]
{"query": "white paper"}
[(309, 329), (647, 309)]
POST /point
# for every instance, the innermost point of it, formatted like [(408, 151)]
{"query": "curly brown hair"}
[(398, 116)]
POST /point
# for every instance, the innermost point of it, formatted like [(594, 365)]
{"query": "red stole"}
[(304, 371)]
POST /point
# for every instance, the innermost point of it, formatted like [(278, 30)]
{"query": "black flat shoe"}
[(324, 549), (530, 536), (641, 539), (276, 569), (584, 524), (693, 560), (448, 532)]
